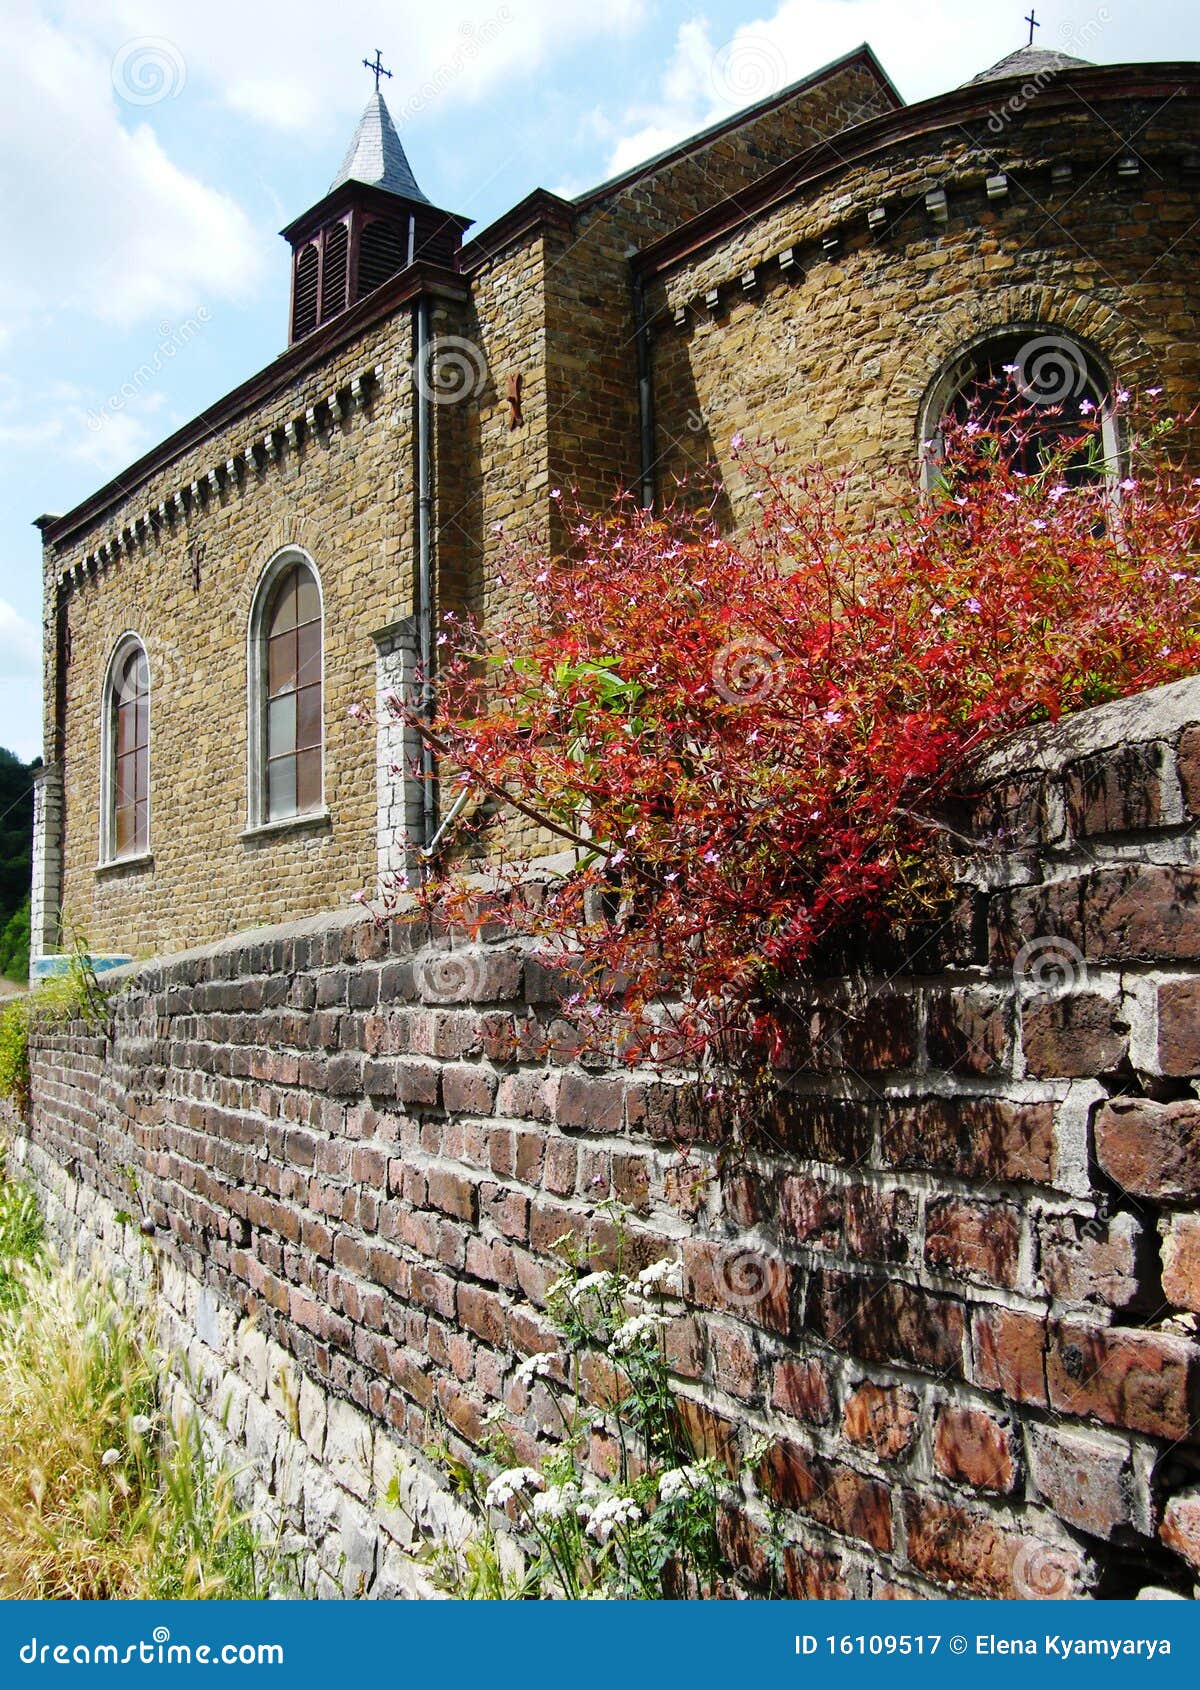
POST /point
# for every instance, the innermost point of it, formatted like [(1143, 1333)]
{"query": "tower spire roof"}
[(376, 157)]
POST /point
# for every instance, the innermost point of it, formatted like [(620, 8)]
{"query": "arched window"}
[(1050, 375), (286, 683), (125, 754)]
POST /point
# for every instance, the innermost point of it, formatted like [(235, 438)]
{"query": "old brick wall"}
[(952, 1281)]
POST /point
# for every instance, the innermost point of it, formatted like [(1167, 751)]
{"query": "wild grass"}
[(101, 1494)]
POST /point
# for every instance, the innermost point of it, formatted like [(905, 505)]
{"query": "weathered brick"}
[(831, 1493), (976, 1137), (1085, 1476), (1117, 791), (880, 1225), (468, 1090), (972, 1240), (1009, 1355), (1087, 1260), (745, 1280), (975, 1552), (1181, 1261), (591, 1105), (1130, 913), (1071, 1037), (801, 1388), (883, 1417), (1180, 1529), (1179, 1027), (971, 1447), (810, 1211), (970, 1031), (1144, 1381), (1150, 1149), (886, 1320)]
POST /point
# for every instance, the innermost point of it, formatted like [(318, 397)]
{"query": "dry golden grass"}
[(98, 1498)]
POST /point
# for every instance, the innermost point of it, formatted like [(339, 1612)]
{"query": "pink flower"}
[(738, 441)]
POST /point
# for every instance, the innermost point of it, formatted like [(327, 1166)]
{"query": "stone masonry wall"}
[(950, 1287), (829, 351)]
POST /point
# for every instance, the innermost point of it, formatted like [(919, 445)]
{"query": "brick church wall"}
[(343, 492), (952, 1282), (594, 438), (830, 353)]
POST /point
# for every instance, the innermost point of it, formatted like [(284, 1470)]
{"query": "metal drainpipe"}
[(425, 573), (645, 390)]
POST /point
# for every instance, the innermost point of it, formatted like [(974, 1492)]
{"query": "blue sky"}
[(150, 150)]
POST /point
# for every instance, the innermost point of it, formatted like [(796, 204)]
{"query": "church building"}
[(828, 269)]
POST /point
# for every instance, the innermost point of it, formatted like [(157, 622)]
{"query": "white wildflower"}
[(557, 1503), (141, 1424), (515, 1482), (638, 1329), (533, 1367), (614, 1511), (591, 1284), (679, 1481), (110, 1458), (663, 1276)]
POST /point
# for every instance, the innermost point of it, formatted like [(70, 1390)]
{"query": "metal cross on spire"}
[(1031, 20), (377, 69)]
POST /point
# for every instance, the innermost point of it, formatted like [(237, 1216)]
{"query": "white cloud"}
[(109, 225), (927, 46), (311, 62), (20, 644)]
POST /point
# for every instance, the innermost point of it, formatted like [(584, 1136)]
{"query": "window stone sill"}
[(142, 863), (313, 821)]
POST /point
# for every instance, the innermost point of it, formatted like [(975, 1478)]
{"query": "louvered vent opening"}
[(439, 244), (304, 313), (333, 278), (382, 250)]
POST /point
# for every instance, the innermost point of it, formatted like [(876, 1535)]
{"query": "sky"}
[(150, 150)]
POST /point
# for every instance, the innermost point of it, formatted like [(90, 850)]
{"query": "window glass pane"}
[(126, 781), (142, 721), (283, 607), (309, 642), (308, 600), (124, 830), (125, 728), (281, 788), (141, 834), (308, 780), (139, 672), (281, 663), (281, 725), (308, 720)]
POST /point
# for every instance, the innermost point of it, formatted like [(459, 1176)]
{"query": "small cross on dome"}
[(1031, 20), (377, 69)]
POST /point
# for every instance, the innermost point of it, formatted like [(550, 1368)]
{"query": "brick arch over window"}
[(125, 753), (285, 692), (1060, 375), (939, 338)]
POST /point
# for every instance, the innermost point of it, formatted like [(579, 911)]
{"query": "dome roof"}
[(1028, 62)]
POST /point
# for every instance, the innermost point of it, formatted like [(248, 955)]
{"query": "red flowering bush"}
[(747, 741)]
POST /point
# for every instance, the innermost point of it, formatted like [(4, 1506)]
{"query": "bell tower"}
[(373, 222)]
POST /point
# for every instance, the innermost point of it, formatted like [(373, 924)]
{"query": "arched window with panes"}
[(125, 754), (1053, 377), (286, 736)]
